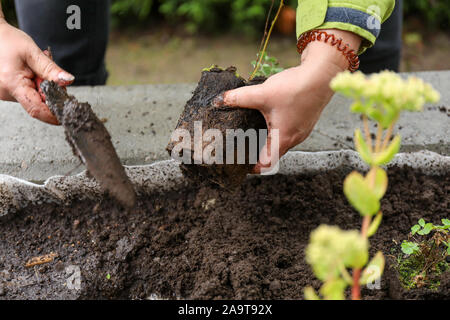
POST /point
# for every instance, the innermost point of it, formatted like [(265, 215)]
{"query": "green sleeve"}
[(358, 16)]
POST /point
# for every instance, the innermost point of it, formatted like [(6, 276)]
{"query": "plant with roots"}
[(332, 251), (425, 253)]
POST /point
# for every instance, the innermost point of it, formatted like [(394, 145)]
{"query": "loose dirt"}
[(203, 242)]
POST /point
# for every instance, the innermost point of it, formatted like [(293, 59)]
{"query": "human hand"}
[(21, 63), (292, 100)]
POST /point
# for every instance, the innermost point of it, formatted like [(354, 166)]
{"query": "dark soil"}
[(90, 142), (200, 107), (203, 242)]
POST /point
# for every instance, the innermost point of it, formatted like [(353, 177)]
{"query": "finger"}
[(252, 97), (270, 153), (5, 96), (32, 103), (45, 68)]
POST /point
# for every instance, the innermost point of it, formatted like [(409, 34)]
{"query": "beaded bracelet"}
[(313, 35)]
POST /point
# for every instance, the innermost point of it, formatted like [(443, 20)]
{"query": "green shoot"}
[(265, 40), (380, 98), (269, 66)]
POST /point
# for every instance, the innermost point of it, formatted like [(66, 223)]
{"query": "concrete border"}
[(141, 119), (17, 194)]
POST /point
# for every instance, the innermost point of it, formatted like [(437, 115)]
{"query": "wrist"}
[(324, 53)]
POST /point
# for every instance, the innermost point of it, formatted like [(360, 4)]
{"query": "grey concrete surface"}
[(141, 118), (17, 194)]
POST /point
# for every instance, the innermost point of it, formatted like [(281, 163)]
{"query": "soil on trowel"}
[(200, 108), (201, 242), (90, 142)]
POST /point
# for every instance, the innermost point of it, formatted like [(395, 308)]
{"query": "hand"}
[(292, 100), (21, 62)]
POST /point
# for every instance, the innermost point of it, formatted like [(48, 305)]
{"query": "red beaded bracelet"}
[(313, 35)]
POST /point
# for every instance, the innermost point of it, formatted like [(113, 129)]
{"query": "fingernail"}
[(66, 76), (219, 101)]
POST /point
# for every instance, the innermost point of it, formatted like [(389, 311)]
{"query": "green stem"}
[(261, 54)]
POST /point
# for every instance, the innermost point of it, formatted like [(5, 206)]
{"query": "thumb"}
[(252, 97), (44, 67)]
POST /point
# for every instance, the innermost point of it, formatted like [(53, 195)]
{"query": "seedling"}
[(426, 250), (264, 65), (268, 67), (331, 251)]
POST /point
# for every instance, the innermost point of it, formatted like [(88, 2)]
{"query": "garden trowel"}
[(90, 141)]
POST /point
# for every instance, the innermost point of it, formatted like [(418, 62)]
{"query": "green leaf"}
[(380, 180), (414, 229), (310, 294), (362, 147), (445, 222), (448, 249), (373, 270), (426, 229), (388, 154), (375, 224), (422, 223), (357, 106), (409, 247), (333, 289), (375, 114), (360, 196)]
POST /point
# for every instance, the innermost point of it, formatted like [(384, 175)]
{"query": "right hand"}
[(21, 62)]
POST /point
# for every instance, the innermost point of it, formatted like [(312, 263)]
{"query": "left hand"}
[(292, 100)]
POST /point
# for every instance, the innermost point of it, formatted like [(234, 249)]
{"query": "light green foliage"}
[(375, 224), (360, 195), (372, 158), (382, 96), (268, 67), (423, 228), (364, 193), (330, 252), (409, 247), (425, 256), (373, 270)]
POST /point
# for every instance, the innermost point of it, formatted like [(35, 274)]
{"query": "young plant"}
[(269, 66), (425, 255), (331, 251)]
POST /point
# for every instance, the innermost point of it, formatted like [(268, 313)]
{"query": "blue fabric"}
[(356, 17)]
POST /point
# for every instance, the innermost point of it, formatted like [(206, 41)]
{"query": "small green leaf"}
[(374, 269), (357, 106), (414, 229), (360, 196), (362, 147), (409, 247), (448, 249), (108, 276), (388, 154), (380, 181), (445, 222), (375, 114), (375, 224), (310, 294), (333, 289), (422, 223), (426, 229)]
